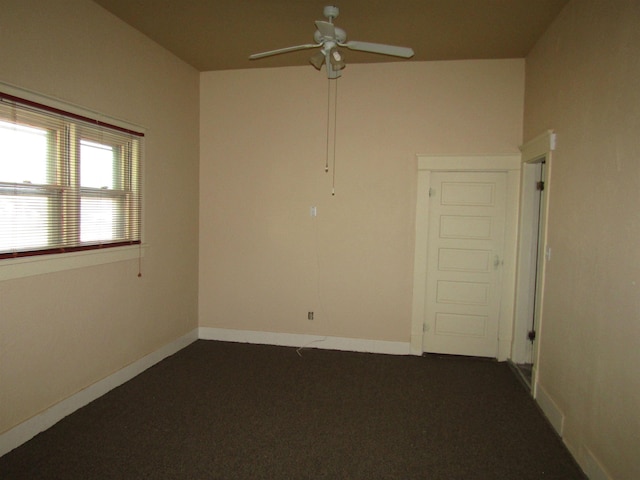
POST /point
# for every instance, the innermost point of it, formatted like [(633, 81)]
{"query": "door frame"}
[(510, 165), (533, 152)]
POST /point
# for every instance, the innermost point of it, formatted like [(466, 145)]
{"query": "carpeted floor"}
[(220, 410)]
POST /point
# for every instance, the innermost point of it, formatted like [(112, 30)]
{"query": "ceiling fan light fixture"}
[(328, 37), (336, 59), (317, 60)]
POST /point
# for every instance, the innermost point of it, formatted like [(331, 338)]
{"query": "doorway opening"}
[(536, 171), (533, 252)]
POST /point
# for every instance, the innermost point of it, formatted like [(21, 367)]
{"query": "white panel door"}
[(464, 262)]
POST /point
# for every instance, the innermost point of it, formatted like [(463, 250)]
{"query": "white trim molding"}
[(11, 268), (470, 163), (304, 341), (538, 146), (67, 106), (30, 428), (539, 149), (593, 467), (550, 410)]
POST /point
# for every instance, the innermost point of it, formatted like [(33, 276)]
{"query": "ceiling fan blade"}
[(405, 52), (255, 56), (326, 29)]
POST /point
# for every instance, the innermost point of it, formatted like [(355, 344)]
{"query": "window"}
[(67, 182)]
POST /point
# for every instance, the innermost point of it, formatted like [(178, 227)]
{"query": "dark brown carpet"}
[(227, 410)]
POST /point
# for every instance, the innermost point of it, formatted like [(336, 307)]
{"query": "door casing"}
[(534, 151), (509, 164)]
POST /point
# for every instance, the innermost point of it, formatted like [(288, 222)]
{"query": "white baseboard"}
[(305, 341), (550, 409), (593, 468), (30, 428)]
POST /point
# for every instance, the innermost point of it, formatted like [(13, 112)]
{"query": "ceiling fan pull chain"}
[(326, 164), (335, 122)]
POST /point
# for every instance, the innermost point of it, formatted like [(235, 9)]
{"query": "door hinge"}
[(531, 335), (432, 192), (540, 186)]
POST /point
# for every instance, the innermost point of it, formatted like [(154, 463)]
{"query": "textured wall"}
[(61, 332), (264, 262), (582, 81)]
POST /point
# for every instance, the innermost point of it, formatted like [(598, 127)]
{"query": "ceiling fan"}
[(329, 37)]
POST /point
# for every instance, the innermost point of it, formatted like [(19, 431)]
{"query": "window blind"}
[(67, 182)]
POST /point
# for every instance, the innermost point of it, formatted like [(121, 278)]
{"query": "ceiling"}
[(221, 34)]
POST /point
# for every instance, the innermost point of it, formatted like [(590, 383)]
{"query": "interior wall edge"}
[(305, 341), (550, 409), (593, 467), (590, 464), (28, 429)]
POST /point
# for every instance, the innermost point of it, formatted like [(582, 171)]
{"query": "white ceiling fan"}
[(329, 37)]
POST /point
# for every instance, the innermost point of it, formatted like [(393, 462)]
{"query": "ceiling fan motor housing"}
[(331, 12), (340, 36), (328, 37)]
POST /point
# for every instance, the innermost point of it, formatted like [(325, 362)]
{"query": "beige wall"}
[(583, 80), (63, 331), (264, 262)]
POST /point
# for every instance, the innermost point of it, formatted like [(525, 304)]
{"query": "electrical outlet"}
[(310, 316)]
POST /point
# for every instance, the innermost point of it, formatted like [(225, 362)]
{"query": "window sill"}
[(38, 265)]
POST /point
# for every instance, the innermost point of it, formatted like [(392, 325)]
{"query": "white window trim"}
[(12, 268), (68, 107)]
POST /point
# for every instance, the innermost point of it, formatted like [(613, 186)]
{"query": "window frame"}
[(44, 260)]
